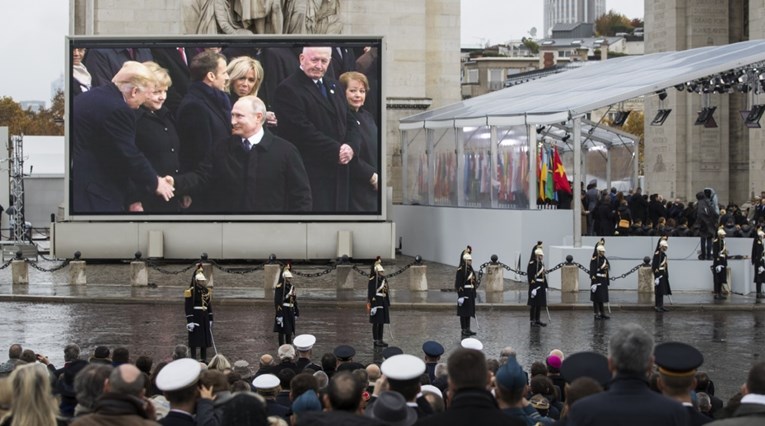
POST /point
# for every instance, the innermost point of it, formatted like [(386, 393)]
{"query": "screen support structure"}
[(577, 178), (17, 187)]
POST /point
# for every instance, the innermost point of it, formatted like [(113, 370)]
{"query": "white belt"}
[(541, 280), (600, 275), (288, 305), (661, 269), (469, 286), (200, 308), (380, 294)]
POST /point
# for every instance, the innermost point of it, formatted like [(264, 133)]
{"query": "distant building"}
[(571, 12)]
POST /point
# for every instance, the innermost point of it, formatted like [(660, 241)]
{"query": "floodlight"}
[(661, 116), (662, 94), (753, 118), (704, 115), (620, 117)]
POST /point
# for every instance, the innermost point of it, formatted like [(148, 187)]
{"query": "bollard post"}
[(271, 276), (139, 276), (77, 271), (418, 275), (569, 276), (345, 275), (645, 277), (495, 278), (19, 270)]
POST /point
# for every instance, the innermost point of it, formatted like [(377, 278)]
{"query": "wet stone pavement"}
[(47, 314)]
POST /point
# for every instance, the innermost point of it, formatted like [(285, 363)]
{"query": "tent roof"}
[(560, 97)]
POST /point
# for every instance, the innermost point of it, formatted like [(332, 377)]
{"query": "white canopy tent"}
[(565, 97)]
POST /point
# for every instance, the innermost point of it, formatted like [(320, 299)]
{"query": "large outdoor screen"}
[(216, 127)]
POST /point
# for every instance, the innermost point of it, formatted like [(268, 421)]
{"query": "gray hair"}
[(119, 380), (71, 352), (441, 370), (705, 402), (630, 349), (180, 351), (321, 378), (506, 353), (89, 383)]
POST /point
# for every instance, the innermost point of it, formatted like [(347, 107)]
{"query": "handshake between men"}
[(346, 154), (165, 187)]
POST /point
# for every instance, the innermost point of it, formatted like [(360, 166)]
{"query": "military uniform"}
[(660, 267), (199, 314), (599, 280), (378, 302), (719, 263), (758, 260), (537, 293), (677, 363), (286, 306), (466, 283)]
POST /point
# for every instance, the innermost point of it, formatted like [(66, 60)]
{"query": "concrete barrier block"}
[(77, 274), (20, 271), (345, 277), (418, 278), (495, 279), (139, 275), (569, 279), (645, 280), (271, 277)]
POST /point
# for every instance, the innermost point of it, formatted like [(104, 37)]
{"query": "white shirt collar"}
[(754, 398), (257, 137)]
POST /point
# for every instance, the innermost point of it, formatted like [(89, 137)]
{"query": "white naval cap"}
[(472, 343), (304, 342), (403, 367), (266, 381), (431, 389), (178, 374)]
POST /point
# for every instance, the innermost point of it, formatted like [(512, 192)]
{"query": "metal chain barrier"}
[(391, 275), (239, 271), (156, 266), (60, 266), (553, 269), (631, 271), (6, 264), (329, 268)]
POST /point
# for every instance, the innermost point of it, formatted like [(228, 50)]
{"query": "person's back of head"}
[(538, 368), (89, 383), (71, 352), (705, 402), (204, 63), (285, 376), (33, 402), (373, 372), (467, 369), (630, 350), (15, 351), (214, 379), (244, 409), (580, 388), (541, 385), (328, 361), (144, 363), (126, 379), (322, 380), (286, 352), (344, 392), (755, 382), (180, 351), (28, 355), (134, 75), (219, 362), (120, 355), (301, 383)]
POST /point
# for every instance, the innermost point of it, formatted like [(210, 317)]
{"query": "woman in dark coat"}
[(364, 141), (758, 260), (603, 217), (378, 302), (199, 314), (537, 277), (599, 274), (660, 267), (285, 304), (466, 283)]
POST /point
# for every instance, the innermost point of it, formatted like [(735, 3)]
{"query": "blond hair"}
[(349, 76), (160, 74), (239, 67), (134, 75), (33, 404)]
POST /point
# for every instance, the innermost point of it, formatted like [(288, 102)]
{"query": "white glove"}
[(280, 321), (760, 270), (373, 311), (460, 301), (718, 268), (656, 281), (594, 288), (534, 293), (211, 324), (190, 326)]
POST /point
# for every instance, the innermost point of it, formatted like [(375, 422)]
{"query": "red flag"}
[(560, 180)]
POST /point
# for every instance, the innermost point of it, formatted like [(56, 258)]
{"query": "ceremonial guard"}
[(378, 302), (537, 277), (285, 303), (199, 314), (758, 260), (660, 268), (466, 283), (719, 263), (599, 272)]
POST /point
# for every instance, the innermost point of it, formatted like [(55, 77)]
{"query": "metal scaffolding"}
[(17, 189)]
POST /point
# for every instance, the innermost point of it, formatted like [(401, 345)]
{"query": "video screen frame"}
[(243, 43)]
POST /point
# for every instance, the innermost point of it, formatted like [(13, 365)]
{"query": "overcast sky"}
[(32, 36)]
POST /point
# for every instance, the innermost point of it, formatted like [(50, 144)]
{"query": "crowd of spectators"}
[(112, 388), (614, 213)]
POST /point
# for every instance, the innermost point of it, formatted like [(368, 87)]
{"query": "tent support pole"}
[(532, 138), (404, 166), (493, 171), (459, 138), (608, 169), (577, 179), (431, 156)]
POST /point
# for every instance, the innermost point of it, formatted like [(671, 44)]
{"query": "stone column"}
[(20, 271), (645, 280), (345, 277), (418, 279), (569, 279), (271, 277), (494, 279), (139, 275), (77, 274)]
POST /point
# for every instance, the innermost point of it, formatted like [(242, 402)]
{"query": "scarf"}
[(81, 74)]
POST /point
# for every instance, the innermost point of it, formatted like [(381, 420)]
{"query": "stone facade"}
[(680, 158), (422, 37)]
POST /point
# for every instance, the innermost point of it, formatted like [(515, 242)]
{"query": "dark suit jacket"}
[(471, 407), (103, 64), (365, 161), (317, 127), (629, 401), (170, 59), (278, 64), (343, 60), (175, 418), (270, 178), (105, 156)]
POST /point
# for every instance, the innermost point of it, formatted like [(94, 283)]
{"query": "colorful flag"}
[(542, 172), (549, 191), (559, 176)]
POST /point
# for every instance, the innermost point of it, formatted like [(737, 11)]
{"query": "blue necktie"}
[(246, 144), (322, 89)]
